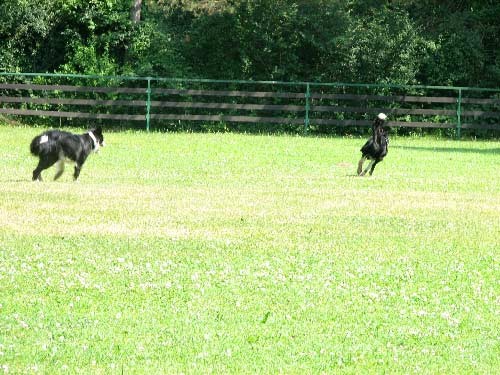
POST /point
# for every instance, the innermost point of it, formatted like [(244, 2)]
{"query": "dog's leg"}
[(60, 168), (37, 175), (78, 168), (42, 164), (368, 168), (37, 172), (360, 165), (373, 166)]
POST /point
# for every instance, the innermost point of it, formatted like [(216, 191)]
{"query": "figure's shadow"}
[(489, 151), (11, 180)]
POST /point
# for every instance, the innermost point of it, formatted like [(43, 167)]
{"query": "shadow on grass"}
[(488, 151)]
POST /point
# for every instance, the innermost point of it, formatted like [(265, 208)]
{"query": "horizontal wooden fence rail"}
[(387, 98), (62, 114), (225, 118), (68, 88), (249, 107), (91, 102), (311, 105), (248, 94)]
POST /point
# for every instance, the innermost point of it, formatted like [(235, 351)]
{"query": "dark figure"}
[(375, 148), (55, 146)]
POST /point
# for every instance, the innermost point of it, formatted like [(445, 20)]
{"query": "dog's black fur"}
[(56, 146), (375, 149)]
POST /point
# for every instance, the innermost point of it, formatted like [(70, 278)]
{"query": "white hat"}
[(382, 116)]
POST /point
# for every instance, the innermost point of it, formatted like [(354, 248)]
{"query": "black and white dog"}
[(56, 146), (375, 148)]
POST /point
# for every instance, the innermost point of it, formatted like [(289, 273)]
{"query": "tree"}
[(397, 41), (385, 46), (135, 11), (26, 29)]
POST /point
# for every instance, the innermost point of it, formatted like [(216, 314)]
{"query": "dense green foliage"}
[(407, 42)]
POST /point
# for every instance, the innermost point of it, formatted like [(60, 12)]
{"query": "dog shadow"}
[(11, 180), (494, 151)]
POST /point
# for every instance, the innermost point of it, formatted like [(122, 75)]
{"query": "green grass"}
[(227, 253)]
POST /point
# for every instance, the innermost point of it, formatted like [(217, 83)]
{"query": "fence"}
[(164, 102)]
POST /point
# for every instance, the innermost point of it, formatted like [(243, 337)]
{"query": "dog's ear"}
[(98, 130)]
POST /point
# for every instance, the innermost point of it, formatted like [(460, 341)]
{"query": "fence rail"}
[(311, 105)]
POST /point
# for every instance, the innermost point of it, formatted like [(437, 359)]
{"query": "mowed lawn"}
[(231, 253)]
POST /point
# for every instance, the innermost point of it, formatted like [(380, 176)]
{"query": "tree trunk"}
[(135, 11)]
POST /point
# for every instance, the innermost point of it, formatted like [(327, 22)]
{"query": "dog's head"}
[(379, 132), (379, 120), (97, 137)]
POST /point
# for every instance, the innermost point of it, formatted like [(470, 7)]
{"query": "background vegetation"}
[(408, 42)]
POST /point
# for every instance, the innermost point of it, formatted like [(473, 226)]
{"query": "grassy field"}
[(226, 253)]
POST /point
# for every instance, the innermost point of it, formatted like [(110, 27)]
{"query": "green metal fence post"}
[(308, 106), (459, 114), (148, 105)]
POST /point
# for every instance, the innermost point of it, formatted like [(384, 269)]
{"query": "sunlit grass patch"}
[(228, 253)]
